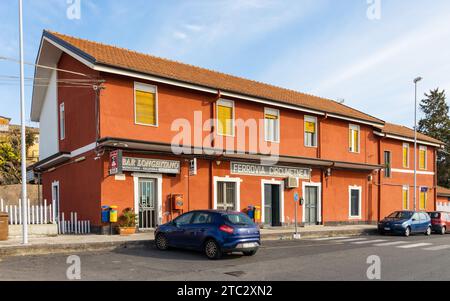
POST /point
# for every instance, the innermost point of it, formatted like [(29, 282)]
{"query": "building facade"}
[(136, 131)]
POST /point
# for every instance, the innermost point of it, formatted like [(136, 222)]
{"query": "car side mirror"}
[(414, 220)]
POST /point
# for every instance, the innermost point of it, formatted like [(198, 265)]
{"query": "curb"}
[(46, 249)]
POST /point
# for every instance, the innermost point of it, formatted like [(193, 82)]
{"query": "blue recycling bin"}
[(105, 214)]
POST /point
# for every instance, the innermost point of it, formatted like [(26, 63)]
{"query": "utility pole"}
[(23, 132), (416, 80)]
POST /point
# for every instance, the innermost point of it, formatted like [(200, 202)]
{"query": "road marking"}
[(415, 245), (393, 243), (438, 248), (330, 238), (368, 242), (351, 239)]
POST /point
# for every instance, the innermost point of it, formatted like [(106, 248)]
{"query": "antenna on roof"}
[(341, 100)]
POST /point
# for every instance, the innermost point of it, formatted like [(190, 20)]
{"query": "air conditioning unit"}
[(291, 182)]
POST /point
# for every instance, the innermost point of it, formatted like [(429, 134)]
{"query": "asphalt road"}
[(414, 258)]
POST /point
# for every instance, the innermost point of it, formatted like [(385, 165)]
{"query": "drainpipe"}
[(379, 178), (319, 156), (211, 160)]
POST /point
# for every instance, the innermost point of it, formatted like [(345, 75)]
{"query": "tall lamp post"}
[(416, 80), (23, 129)]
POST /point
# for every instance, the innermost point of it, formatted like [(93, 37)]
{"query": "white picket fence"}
[(44, 214), (443, 207)]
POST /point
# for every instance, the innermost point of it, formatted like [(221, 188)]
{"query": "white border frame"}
[(350, 188), (277, 112), (308, 118), (159, 179), (150, 89), (355, 127), (226, 103), (56, 184), (406, 188), (238, 190), (263, 198), (319, 199)]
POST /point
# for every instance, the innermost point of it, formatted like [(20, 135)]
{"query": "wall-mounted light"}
[(218, 162)]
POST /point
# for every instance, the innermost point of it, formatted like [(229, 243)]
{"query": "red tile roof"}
[(148, 64), (399, 130), (442, 191)]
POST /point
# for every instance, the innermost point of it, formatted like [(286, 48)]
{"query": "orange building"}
[(132, 130)]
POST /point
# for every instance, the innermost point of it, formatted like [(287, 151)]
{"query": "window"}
[(310, 131), (185, 219), (354, 137), (226, 196), (62, 122), (272, 125), (423, 198), (238, 219), (423, 157), (405, 155), (225, 117), (405, 197), (202, 218), (355, 202), (416, 217), (387, 164), (145, 102)]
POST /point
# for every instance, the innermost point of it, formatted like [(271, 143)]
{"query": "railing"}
[(44, 214)]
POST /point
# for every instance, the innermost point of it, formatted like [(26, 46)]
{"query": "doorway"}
[(147, 203), (312, 211), (272, 205)]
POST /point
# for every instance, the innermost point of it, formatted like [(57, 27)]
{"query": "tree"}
[(436, 124), (10, 156)]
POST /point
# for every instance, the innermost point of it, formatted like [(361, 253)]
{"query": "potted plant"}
[(127, 222)]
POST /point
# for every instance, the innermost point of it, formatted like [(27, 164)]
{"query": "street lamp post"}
[(416, 80), (23, 134)]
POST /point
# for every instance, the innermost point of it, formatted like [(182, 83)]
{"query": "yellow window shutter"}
[(271, 117), (405, 157), (310, 127), (225, 118), (423, 200), (422, 159), (356, 141), (145, 108), (405, 199)]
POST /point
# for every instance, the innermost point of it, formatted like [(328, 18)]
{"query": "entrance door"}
[(147, 203), (311, 204), (272, 212)]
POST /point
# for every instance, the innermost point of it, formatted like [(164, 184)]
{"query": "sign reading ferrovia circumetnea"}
[(269, 170)]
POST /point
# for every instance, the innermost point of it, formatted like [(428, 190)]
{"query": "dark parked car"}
[(212, 231), (406, 223), (440, 222)]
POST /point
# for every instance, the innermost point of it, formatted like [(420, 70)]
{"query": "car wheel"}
[(407, 231), (212, 249), (161, 242), (429, 231), (443, 230), (250, 253)]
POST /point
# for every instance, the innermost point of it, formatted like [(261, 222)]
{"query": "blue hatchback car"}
[(214, 232), (406, 223)]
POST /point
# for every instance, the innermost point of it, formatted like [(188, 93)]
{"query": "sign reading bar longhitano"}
[(150, 165), (269, 170)]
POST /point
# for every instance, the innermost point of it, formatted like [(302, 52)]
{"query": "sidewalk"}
[(73, 243)]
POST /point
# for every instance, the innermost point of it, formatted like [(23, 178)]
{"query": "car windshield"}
[(238, 219), (401, 215), (435, 215)]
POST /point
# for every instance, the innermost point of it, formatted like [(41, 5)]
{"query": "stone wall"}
[(12, 193)]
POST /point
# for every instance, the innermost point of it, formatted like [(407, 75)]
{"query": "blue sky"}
[(327, 48)]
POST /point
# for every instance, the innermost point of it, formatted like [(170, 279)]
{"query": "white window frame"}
[(407, 155), (263, 198), (424, 148), (230, 104), (311, 119), (62, 121), (238, 190), (150, 89), (350, 216), (272, 112), (355, 127), (406, 188)]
